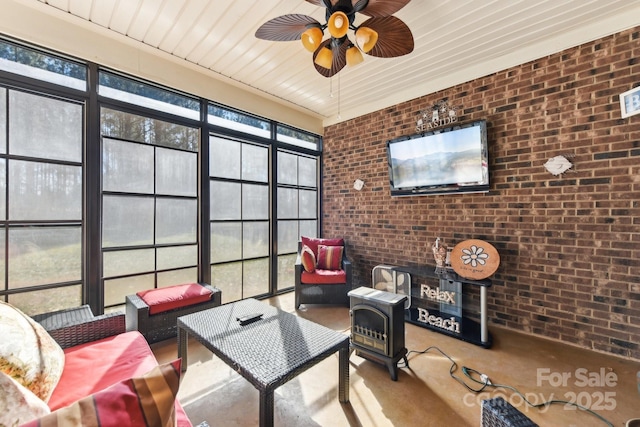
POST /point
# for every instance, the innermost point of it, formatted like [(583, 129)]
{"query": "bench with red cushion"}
[(160, 300), (155, 312)]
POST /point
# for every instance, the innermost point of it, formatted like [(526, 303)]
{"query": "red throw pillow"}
[(308, 259), (313, 243), (330, 257)]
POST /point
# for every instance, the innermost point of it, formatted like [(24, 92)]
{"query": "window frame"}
[(92, 290)]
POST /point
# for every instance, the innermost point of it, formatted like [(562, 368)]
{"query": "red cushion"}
[(164, 299), (313, 243), (96, 365), (330, 257), (324, 277), (308, 259)]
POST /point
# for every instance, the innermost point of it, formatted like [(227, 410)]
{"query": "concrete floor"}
[(425, 393)]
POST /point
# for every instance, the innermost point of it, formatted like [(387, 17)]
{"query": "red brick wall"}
[(569, 245)]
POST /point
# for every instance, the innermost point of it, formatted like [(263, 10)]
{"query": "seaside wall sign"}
[(438, 115)]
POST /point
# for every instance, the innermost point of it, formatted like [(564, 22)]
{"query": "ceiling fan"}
[(382, 35)]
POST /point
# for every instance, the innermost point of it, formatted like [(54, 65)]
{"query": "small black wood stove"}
[(377, 327)]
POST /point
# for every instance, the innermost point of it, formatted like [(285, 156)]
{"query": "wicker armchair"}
[(322, 293), (75, 326), (162, 326)]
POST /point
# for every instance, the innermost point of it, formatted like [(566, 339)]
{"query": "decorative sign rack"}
[(438, 115)]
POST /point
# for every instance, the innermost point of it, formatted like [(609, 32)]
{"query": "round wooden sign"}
[(475, 259)]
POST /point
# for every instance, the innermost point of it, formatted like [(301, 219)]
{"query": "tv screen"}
[(449, 160)]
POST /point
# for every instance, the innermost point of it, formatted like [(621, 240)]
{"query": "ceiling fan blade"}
[(339, 58), (286, 27), (394, 37), (379, 8)]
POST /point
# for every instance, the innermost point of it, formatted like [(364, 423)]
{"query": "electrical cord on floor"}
[(484, 382)]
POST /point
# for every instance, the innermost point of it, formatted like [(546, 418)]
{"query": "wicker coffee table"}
[(268, 352)]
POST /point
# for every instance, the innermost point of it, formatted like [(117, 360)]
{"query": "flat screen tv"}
[(448, 160)]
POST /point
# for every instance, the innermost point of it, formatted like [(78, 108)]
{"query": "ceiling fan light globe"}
[(324, 58), (354, 56), (338, 24), (311, 39), (366, 38)]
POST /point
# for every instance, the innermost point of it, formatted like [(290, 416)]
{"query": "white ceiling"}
[(455, 41)]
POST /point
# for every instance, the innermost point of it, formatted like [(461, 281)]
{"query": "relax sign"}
[(448, 304)]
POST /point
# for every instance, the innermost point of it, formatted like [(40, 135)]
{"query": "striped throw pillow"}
[(330, 257), (148, 400)]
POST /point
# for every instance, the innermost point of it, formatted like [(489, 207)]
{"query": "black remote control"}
[(249, 318)]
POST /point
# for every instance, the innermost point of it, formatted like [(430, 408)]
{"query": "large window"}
[(149, 204), (239, 214), (238, 121), (297, 209), (297, 138), (41, 152), (146, 95), (110, 185), (28, 62)]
